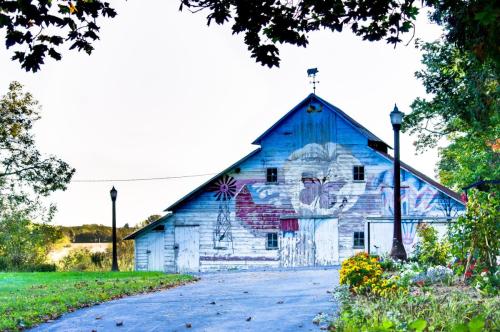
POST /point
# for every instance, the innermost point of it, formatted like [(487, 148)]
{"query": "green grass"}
[(27, 299)]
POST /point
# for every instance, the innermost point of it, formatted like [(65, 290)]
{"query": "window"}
[(358, 173), (272, 175), (359, 240), (272, 241)]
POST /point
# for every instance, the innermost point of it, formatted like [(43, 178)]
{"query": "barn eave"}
[(147, 227), (203, 185), (425, 178)]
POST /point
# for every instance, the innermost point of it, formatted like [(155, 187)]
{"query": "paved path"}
[(232, 301)]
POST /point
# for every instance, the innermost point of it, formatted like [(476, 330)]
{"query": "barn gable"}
[(302, 198)]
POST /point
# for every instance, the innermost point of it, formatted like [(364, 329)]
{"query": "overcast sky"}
[(165, 95)]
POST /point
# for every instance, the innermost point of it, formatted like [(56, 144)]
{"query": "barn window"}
[(272, 175), (359, 240), (272, 241), (358, 173)]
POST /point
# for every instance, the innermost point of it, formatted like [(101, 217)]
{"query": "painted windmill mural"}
[(224, 190)]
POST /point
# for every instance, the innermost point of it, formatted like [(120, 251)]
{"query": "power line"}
[(141, 179)]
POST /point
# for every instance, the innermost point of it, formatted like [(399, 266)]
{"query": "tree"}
[(476, 235), (24, 245), (463, 109), (148, 221), (37, 28), (24, 171), (471, 25)]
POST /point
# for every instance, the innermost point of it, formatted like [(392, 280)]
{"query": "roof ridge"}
[(332, 108)]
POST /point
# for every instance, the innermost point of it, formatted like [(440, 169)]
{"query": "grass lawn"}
[(27, 299)]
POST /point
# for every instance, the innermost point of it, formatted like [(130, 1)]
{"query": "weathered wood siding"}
[(145, 247), (314, 150)]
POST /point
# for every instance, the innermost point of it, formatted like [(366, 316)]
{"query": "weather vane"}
[(311, 72)]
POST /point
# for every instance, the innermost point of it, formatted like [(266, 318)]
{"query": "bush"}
[(456, 311), (429, 250), (359, 270), (439, 273), (42, 267), (475, 237), (79, 259), (4, 264), (363, 275), (24, 244)]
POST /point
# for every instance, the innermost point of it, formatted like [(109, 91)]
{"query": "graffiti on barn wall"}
[(224, 189)]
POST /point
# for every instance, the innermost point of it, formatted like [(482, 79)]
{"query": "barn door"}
[(155, 251), (297, 248), (315, 243), (187, 244), (326, 242)]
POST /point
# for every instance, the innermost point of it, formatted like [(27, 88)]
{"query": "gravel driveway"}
[(230, 301)]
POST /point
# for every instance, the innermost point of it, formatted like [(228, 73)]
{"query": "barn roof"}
[(370, 136), (195, 191), (332, 108), (147, 227)]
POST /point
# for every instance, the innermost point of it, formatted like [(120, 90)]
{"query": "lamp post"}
[(398, 250), (114, 193)]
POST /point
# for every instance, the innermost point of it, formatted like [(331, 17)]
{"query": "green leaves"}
[(476, 324), (418, 325), (278, 22), (463, 109), (60, 21)]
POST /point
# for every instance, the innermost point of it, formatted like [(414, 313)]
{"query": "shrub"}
[(487, 283), (24, 244), (475, 237), (363, 275), (4, 264), (456, 311), (439, 274), (43, 267), (430, 250), (359, 269), (79, 259)]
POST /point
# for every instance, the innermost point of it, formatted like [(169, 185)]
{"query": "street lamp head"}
[(396, 116), (113, 193)]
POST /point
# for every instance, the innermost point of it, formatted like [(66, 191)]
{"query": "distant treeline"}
[(94, 233)]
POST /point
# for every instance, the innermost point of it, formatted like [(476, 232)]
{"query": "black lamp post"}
[(398, 250), (114, 193)]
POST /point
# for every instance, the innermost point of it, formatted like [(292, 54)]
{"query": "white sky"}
[(163, 95)]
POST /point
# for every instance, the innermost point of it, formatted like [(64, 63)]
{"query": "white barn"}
[(303, 197)]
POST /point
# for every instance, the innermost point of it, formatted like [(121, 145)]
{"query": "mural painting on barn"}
[(224, 189), (316, 181), (418, 199)]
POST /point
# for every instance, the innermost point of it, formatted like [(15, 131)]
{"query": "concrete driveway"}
[(230, 301)]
